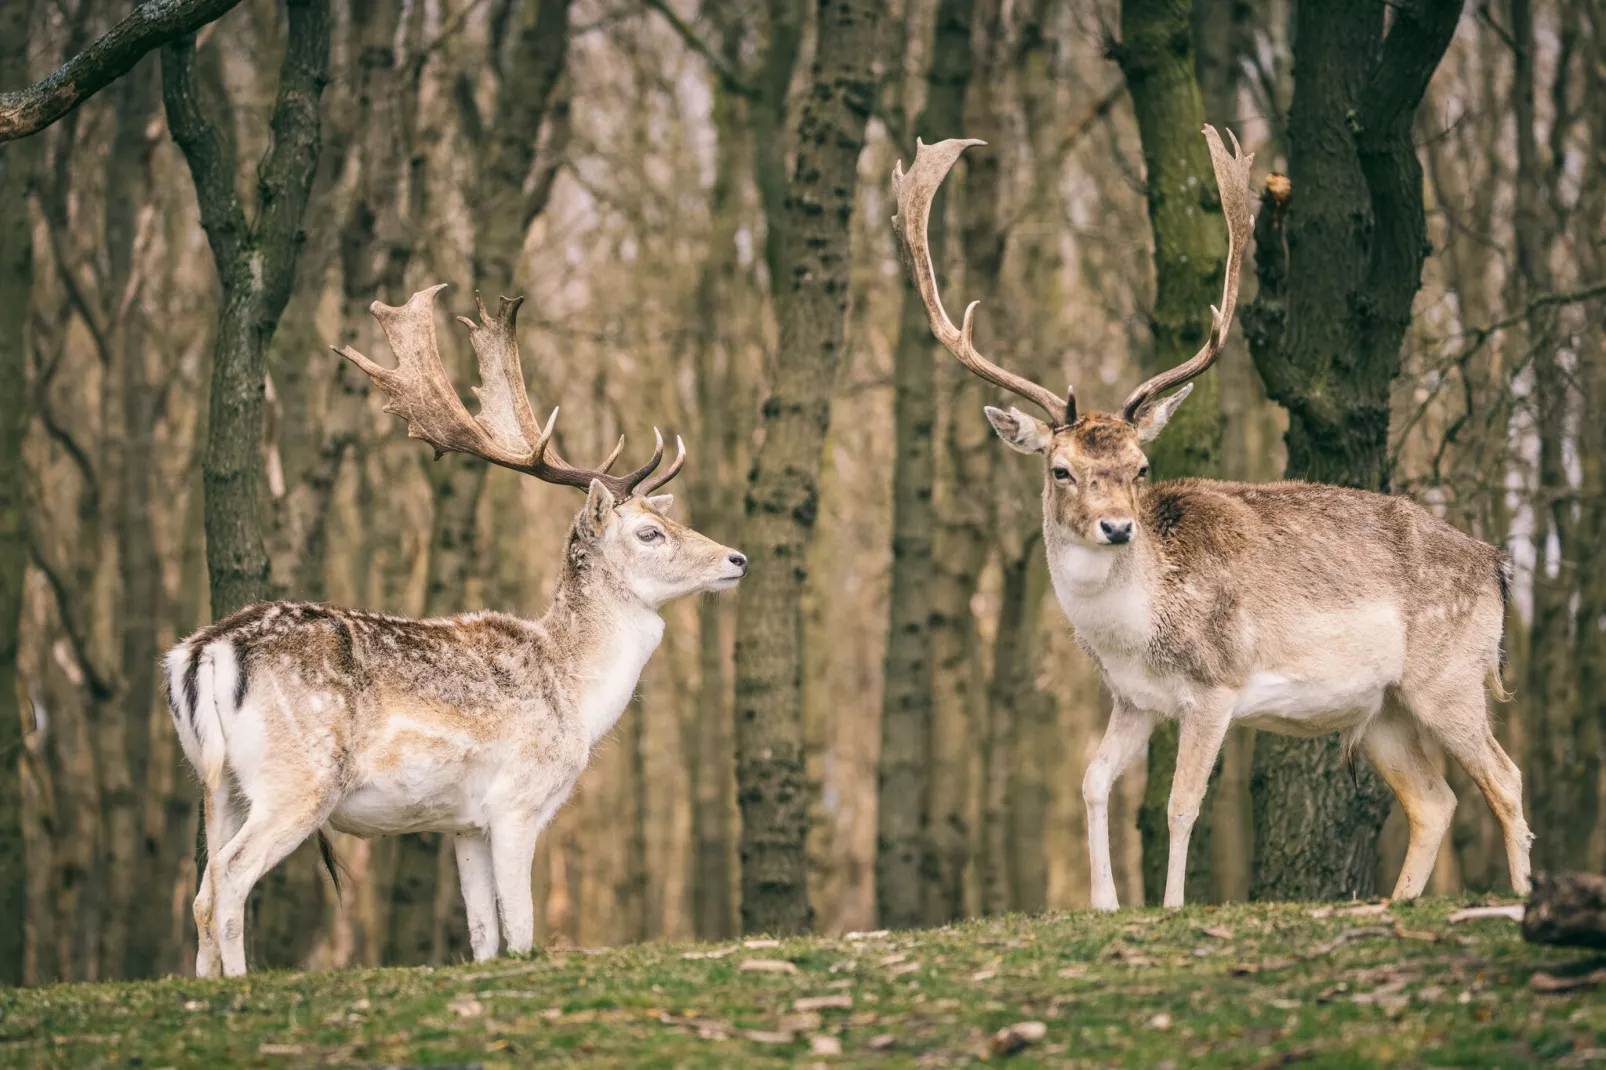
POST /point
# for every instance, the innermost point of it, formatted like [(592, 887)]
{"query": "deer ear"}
[(599, 507), (1025, 434), (1153, 417), (660, 503)]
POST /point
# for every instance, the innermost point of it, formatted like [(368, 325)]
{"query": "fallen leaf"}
[(1160, 1021), (890, 960), (760, 1036), (823, 1003), (822, 1044), (718, 954), (983, 975), (761, 943), (767, 966), (903, 968), (1012, 1038), (801, 1022), (1415, 934), (466, 1007), (1244, 969), (874, 934), (1071, 972), (1286, 1004), (279, 1049), (1320, 912), (1509, 913), (1220, 932), (1359, 933), (881, 1042), (195, 1005)]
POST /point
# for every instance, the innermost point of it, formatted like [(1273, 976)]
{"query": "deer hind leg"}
[(224, 816), (269, 834), (476, 875), (1199, 739), (1125, 738), (1396, 749), (1463, 729)]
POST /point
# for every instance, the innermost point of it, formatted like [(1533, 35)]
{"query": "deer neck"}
[(605, 636), (1106, 591)]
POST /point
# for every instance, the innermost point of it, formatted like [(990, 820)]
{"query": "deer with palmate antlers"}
[(298, 717), (1292, 607)]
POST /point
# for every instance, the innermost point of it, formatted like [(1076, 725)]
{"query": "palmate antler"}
[(914, 191), (505, 432)]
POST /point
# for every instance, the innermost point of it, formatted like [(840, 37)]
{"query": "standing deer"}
[(1292, 607), (298, 717)]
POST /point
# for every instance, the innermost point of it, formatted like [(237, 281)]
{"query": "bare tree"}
[(811, 292), (255, 260), (902, 863), (16, 283), (1340, 260), (1190, 253)]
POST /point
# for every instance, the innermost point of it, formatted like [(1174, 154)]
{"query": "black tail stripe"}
[(192, 685), (240, 653)]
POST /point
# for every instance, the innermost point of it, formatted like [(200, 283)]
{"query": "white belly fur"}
[(1330, 675)]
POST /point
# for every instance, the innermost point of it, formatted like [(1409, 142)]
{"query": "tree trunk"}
[(783, 488), (256, 267), (904, 865), (963, 536), (1190, 251), (16, 286), (1325, 333)]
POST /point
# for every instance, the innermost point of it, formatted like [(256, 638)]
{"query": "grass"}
[(1249, 985)]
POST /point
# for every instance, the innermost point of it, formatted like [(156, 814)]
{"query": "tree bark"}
[(16, 286), (256, 267), (1325, 333), (783, 488), (904, 863), (1190, 250), (114, 54)]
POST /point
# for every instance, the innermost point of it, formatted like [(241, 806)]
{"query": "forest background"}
[(889, 722)]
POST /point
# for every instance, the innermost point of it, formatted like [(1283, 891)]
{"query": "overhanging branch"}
[(112, 55)]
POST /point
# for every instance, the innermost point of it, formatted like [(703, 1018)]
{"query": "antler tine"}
[(608, 461), (1237, 205), (914, 191), (669, 473)]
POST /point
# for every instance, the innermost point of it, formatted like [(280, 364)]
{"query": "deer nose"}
[(1116, 531), (739, 560)]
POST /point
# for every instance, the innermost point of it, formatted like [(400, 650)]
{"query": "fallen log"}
[(1568, 909)]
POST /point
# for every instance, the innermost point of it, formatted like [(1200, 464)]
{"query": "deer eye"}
[(1063, 474), (649, 534), (1143, 471)]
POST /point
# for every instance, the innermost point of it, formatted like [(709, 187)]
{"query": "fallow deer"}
[(298, 717), (1293, 607)]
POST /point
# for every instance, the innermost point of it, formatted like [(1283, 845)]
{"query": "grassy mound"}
[(1255, 985)]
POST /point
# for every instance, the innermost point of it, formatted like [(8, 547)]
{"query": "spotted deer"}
[(1292, 607), (303, 717)]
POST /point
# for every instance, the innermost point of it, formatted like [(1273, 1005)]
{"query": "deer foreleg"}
[(1126, 737), (477, 877), (1202, 730)]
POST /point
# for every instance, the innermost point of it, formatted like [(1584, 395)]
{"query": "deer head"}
[(623, 531), (1093, 463)]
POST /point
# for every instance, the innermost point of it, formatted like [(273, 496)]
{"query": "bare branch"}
[(150, 25), (728, 75)]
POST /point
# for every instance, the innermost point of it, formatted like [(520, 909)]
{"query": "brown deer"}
[(298, 716), (1292, 607)]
